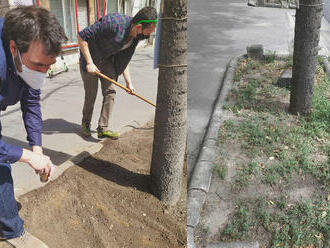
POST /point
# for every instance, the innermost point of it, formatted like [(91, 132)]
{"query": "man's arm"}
[(30, 106), (9, 153), (31, 112), (127, 77), (90, 66)]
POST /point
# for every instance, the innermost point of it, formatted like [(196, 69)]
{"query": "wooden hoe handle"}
[(123, 87)]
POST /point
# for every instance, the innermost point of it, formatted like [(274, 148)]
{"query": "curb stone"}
[(190, 237), (196, 199), (199, 185), (285, 79)]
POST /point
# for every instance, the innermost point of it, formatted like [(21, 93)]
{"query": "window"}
[(65, 12)]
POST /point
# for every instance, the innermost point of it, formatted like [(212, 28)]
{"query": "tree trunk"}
[(306, 40), (171, 111)]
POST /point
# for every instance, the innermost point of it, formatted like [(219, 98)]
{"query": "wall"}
[(4, 6)]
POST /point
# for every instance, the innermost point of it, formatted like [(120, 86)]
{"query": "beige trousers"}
[(108, 92)]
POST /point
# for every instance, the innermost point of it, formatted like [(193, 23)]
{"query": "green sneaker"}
[(107, 134), (85, 130)]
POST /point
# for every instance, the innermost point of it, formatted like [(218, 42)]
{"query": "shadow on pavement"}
[(56, 156), (51, 126)]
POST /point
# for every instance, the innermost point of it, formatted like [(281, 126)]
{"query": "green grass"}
[(262, 134), (220, 170), (244, 174), (271, 56), (240, 225), (298, 225), (290, 61), (280, 148)]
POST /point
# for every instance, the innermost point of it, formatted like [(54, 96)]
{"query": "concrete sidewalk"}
[(62, 102)]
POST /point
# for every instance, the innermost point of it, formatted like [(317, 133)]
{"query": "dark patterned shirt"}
[(105, 39)]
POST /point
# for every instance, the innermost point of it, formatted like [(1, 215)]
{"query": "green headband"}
[(147, 21)]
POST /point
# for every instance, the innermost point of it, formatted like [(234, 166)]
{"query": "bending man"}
[(107, 46), (31, 39)]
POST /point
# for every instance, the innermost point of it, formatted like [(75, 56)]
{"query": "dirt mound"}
[(105, 201)]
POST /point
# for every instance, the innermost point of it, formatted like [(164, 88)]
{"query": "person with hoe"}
[(107, 46), (31, 38)]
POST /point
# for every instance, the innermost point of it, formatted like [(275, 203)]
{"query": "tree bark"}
[(306, 40), (171, 111)]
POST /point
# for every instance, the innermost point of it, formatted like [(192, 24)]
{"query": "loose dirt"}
[(105, 201)]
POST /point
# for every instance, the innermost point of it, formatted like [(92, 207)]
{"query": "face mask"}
[(34, 79), (142, 36)]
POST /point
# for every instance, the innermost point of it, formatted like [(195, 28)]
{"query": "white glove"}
[(39, 162)]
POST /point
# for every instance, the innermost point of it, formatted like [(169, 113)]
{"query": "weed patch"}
[(282, 152)]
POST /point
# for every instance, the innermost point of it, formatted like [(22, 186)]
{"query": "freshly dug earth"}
[(105, 201)]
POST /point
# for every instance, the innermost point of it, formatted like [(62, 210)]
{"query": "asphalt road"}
[(326, 10)]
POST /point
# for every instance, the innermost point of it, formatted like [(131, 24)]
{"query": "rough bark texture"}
[(306, 40), (171, 111)]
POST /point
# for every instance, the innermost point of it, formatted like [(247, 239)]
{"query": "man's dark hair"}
[(146, 13), (25, 24)]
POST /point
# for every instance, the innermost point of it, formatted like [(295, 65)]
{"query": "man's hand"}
[(127, 77), (39, 162), (91, 68), (130, 88), (37, 149)]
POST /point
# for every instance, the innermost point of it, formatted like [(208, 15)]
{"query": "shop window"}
[(112, 6), (82, 14), (64, 11), (107, 7)]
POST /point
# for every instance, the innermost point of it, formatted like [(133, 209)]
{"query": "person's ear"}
[(13, 48), (139, 28), (14, 51)]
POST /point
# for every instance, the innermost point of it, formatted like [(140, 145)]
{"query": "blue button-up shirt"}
[(105, 39), (13, 89)]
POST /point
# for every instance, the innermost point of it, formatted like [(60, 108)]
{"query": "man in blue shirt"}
[(107, 46), (31, 38)]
